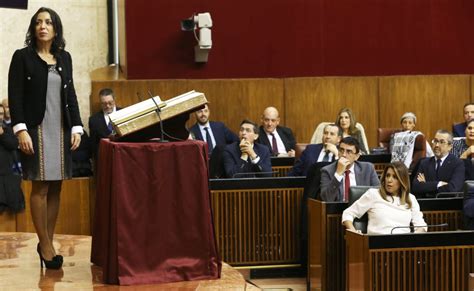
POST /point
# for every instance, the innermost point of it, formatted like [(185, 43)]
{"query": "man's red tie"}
[(274, 145), (347, 185)]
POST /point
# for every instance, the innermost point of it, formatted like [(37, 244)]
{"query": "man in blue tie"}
[(214, 133), (326, 151), (442, 173), (99, 123)]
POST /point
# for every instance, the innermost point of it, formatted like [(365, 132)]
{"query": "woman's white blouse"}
[(385, 215)]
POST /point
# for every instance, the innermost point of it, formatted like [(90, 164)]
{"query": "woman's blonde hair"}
[(401, 172)]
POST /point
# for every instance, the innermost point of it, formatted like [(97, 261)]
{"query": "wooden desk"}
[(415, 261), (326, 245), (282, 165), (257, 220)]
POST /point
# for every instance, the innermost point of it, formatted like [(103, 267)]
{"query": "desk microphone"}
[(158, 111), (418, 226), (237, 175)]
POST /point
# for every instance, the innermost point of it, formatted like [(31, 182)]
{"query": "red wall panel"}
[(291, 38)]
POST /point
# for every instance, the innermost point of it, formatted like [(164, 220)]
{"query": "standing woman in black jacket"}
[(46, 120)]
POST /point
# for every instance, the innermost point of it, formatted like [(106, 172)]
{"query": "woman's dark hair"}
[(58, 42)]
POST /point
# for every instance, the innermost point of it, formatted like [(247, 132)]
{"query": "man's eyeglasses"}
[(348, 152), (440, 142), (110, 103)]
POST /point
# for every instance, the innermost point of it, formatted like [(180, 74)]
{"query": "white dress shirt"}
[(280, 145), (352, 176), (203, 132), (323, 153), (385, 215), (106, 116)]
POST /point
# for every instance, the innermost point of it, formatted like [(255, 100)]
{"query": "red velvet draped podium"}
[(153, 220)]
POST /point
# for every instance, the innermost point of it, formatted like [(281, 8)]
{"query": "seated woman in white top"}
[(388, 207)]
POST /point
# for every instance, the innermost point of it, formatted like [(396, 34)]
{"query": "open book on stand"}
[(141, 119)]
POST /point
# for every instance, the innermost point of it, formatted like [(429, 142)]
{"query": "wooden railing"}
[(257, 221), (439, 261), (327, 248)]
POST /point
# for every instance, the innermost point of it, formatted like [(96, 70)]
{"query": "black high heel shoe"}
[(55, 263), (57, 257)]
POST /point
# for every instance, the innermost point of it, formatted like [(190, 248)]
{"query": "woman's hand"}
[(25, 143), (421, 178), (75, 141), (349, 225), (467, 153)]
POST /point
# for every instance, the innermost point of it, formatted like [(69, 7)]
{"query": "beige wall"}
[(85, 31)]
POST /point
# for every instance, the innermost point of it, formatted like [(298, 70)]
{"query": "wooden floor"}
[(280, 284), (20, 268)]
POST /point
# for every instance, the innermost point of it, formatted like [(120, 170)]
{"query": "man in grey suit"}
[(337, 177)]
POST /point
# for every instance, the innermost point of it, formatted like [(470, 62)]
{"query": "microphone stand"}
[(237, 175), (419, 226), (158, 111)]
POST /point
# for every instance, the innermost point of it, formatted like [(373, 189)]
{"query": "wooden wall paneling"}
[(471, 91), (309, 101), (437, 101), (7, 221), (74, 212), (232, 100), (126, 90)]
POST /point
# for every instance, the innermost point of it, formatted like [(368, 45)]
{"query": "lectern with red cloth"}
[(153, 220)]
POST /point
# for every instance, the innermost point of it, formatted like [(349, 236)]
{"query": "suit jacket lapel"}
[(216, 133), (432, 169), (264, 138), (105, 129), (358, 174), (284, 138), (445, 166), (197, 132)]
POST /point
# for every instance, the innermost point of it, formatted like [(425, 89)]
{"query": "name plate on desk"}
[(144, 114)]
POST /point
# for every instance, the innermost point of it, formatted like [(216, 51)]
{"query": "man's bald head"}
[(270, 119)]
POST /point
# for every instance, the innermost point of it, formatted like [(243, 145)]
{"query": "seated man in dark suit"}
[(11, 195), (459, 130), (99, 123), (442, 173), (279, 139), (468, 210), (7, 118), (247, 156), (321, 152), (7, 122), (217, 132), (337, 177)]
